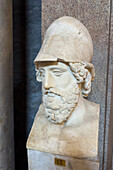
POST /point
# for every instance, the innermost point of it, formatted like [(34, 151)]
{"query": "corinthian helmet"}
[(67, 40)]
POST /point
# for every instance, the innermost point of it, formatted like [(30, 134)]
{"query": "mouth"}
[(50, 94)]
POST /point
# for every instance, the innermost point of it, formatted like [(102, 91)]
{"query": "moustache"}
[(54, 91)]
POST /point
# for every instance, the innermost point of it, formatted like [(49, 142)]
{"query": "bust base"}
[(45, 161), (79, 140)]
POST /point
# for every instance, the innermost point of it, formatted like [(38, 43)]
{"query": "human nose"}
[(47, 80)]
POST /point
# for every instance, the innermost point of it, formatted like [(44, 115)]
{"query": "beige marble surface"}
[(66, 123), (80, 140), (66, 39), (45, 161)]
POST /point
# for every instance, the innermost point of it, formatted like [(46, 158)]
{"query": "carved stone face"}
[(69, 41), (60, 90)]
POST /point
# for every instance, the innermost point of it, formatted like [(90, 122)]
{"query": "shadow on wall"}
[(27, 91)]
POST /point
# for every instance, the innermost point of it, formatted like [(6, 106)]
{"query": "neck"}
[(78, 113)]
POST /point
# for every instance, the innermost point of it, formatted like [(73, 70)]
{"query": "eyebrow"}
[(52, 68), (59, 68)]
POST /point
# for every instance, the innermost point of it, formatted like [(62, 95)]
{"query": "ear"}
[(38, 76)]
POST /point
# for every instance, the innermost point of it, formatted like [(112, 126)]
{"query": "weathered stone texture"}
[(42, 160), (6, 87), (109, 99)]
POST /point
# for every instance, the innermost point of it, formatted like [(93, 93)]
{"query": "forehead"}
[(53, 65)]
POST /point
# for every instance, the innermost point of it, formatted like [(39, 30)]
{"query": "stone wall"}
[(6, 87), (27, 91)]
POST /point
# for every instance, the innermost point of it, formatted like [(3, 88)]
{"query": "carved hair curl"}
[(83, 76)]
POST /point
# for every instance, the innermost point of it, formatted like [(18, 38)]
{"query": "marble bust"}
[(66, 123)]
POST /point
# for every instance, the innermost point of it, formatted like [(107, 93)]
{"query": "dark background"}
[(27, 91)]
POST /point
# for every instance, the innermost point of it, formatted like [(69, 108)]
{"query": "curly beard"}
[(59, 104)]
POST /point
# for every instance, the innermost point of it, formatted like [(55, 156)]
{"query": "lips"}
[(51, 94)]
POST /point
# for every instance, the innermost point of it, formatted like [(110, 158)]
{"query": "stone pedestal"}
[(45, 161), (6, 87)]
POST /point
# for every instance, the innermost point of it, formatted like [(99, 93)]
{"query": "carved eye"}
[(57, 72)]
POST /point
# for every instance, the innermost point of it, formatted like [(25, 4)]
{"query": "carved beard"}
[(60, 104)]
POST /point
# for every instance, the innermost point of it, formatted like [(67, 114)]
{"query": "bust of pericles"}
[(66, 123)]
